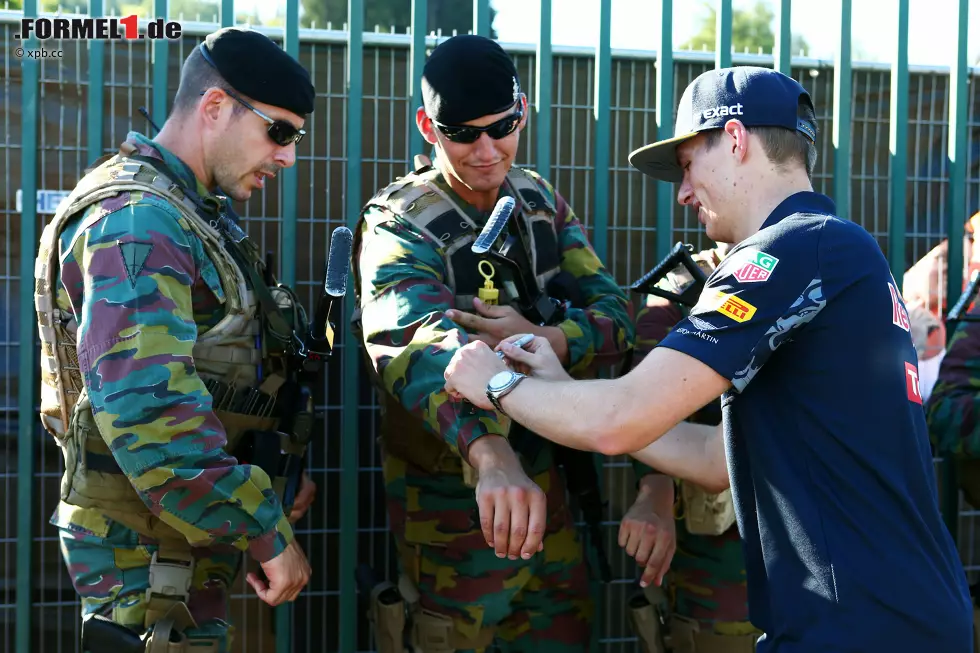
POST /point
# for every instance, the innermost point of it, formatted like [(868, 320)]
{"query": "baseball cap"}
[(758, 97)]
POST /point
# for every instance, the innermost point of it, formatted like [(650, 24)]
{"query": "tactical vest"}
[(418, 199), (227, 352), (704, 513)]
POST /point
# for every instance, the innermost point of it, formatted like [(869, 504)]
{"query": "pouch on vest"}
[(706, 513)]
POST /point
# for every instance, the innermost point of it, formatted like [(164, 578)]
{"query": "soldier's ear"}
[(427, 129)]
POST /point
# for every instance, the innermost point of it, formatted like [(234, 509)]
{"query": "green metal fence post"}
[(161, 54), (601, 112), (287, 245), (784, 38), (665, 123), (955, 218), (287, 258), (227, 13), (416, 61), (543, 79), (897, 141), (26, 389), (842, 115), (723, 34), (349, 457), (96, 81), (481, 17)]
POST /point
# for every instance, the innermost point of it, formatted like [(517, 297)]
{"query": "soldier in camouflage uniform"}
[(706, 589), (417, 281), (143, 305)]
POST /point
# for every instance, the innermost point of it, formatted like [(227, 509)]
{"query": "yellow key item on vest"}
[(488, 294)]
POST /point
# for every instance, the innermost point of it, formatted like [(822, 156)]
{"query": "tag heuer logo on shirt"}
[(757, 268)]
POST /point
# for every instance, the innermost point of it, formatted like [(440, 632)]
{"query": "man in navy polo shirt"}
[(803, 331)]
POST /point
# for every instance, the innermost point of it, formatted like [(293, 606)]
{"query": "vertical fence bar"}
[(665, 123), (287, 258), (96, 65), (723, 34), (28, 369), (955, 217), (784, 37), (416, 61), (543, 79), (601, 112), (287, 244), (842, 115), (349, 458), (227, 13), (481, 17), (161, 54), (897, 140)]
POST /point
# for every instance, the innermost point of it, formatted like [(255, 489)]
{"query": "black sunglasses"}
[(495, 130), (282, 132)]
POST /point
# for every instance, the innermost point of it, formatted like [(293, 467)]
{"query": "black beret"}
[(468, 77), (254, 65)]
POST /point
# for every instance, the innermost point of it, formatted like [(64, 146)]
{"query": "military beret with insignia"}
[(468, 77), (255, 66)]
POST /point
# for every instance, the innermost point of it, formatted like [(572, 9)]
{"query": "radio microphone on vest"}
[(334, 287), (495, 225)]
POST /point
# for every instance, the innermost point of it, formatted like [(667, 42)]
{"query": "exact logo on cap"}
[(718, 112)]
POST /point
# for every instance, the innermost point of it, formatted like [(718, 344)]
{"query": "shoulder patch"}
[(754, 266), (134, 255), (728, 305)]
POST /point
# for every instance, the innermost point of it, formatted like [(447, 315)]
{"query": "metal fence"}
[(618, 205)]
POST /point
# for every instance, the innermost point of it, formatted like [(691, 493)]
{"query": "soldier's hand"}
[(513, 509), (492, 323), (304, 499), (287, 575), (469, 372), (647, 532), (536, 359)]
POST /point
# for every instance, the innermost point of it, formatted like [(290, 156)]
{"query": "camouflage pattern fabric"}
[(142, 289), (402, 281), (111, 576), (404, 296), (539, 604), (953, 409), (707, 575)]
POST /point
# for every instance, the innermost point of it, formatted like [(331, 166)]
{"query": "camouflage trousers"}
[(109, 568), (542, 604)]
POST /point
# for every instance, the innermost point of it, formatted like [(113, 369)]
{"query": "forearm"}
[(492, 451), (414, 377), (658, 489), (583, 415), (171, 446), (693, 452)]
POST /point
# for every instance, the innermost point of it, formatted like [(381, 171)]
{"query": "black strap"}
[(210, 210)]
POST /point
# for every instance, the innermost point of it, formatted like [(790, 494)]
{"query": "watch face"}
[(500, 381)]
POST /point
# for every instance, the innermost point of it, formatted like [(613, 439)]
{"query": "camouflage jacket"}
[(410, 341), (142, 290), (953, 408)]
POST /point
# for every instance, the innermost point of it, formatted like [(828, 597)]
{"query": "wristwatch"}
[(501, 384)]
